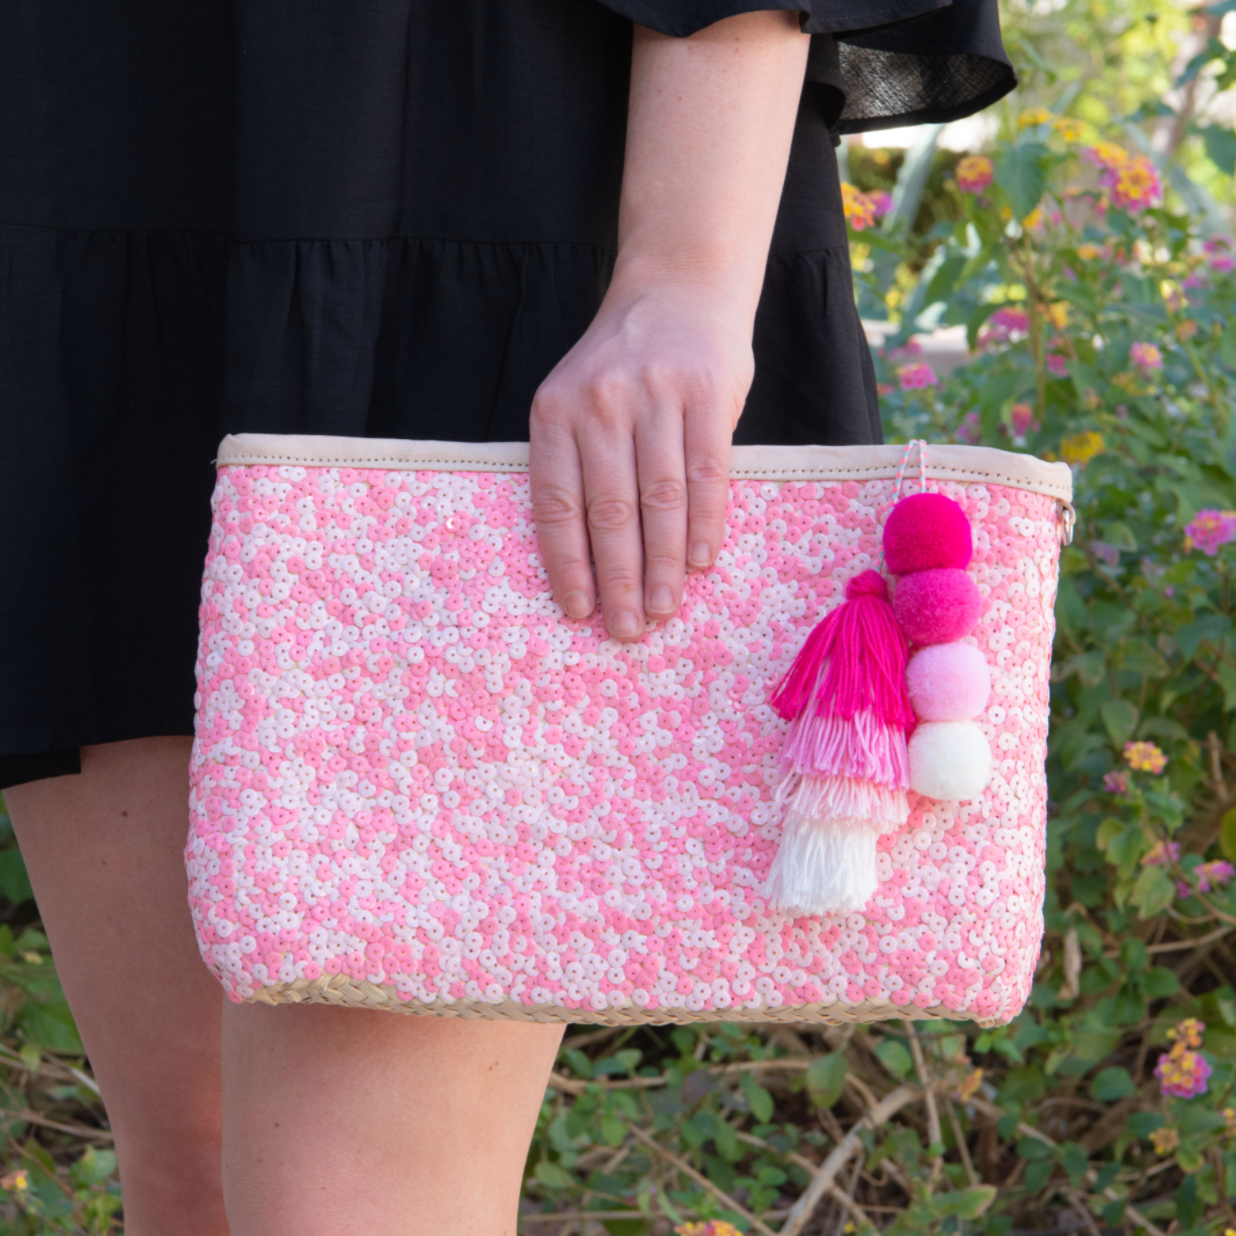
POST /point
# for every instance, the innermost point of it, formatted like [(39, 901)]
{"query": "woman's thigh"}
[(348, 1121), (105, 852)]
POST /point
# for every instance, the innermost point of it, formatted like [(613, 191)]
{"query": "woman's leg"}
[(350, 1122), (105, 852)]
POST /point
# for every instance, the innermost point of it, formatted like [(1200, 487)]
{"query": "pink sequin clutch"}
[(417, 785)]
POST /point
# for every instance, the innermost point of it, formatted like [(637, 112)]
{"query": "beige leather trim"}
[(365, 995), (967, 464)]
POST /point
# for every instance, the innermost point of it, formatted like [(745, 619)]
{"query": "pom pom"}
[(823, 870), (949, 760), (927, 532), (938, 606), (948, 682)]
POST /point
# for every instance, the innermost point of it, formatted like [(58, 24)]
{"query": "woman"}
[(478, 221)]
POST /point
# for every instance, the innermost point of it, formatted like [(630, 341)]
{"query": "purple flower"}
[(971, 429), (1116, 782)]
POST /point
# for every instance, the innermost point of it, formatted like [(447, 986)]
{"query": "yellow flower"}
[(1089, 253), (15, 1182), (1189, 1032), (1057, 314), (1229, 1115), (1032, 116), (1033, 220), (1145, 757), (1080, 448), (714, 1227), (1068, 128), (1108, 154), (1164, 1140)]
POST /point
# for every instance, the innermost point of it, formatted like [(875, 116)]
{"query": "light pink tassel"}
[(845, 763)]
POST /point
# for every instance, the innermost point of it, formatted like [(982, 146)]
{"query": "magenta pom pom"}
[(927, 532), (937, 607), (948, 682)]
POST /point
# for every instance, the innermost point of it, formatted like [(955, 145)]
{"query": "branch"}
[(687, 1170), (827, 1172)]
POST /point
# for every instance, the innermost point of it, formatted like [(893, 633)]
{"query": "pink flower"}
[(1215, 243), (1222, 263), (1003, 325), (1182, 1071), (1057, 366), (1116, 782), (1146, 355), (1216, 873), (1208, 530), (970, 430), (1134, 186), (975, 173), (916, 377), (881, 202), (1021, 418), (1161, 854)]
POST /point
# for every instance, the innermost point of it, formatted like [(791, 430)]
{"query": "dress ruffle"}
[(895, 63)]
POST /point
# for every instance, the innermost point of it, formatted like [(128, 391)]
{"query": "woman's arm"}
[(630, 433)]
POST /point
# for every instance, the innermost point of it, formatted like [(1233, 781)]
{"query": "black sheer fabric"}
[(385, 218), (906, 62)]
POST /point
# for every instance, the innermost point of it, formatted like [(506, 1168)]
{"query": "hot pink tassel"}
[(845, 762), (853, 661)]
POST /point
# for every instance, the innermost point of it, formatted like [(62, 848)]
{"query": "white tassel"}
[(823, 866)]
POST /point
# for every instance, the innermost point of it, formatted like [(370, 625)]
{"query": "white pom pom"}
[(949, 760), (824, 867)]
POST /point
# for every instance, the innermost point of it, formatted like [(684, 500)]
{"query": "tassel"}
[(844, 763)]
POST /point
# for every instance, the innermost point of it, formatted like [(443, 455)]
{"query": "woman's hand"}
[(630, 449), (630, 434)]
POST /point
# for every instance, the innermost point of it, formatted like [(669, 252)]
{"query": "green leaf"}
[(1220, 143), (1227, 345), (552, 1176), (92, 1167), (1112, 1084), (826, 1079), (759, 1098), (14, 882), (1160, 982), (895, 1057), (1227, 680), (966, 1203), (1120, 718), (1153, 892), (1227, 834), (1033, 1149), (613, 1129), (1021, 171)]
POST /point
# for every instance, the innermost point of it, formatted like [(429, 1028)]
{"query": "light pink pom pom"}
[(948, 682)]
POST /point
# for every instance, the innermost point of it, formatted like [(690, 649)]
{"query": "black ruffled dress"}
[(388, 218)]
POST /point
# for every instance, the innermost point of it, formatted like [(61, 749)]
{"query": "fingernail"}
[(625, 625), (661, 601), (700, 556), (577, 605)]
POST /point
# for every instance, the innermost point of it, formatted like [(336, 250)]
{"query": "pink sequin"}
[(411, 769)]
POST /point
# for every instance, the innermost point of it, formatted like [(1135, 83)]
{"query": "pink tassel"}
[(854, 660), (844, 761)]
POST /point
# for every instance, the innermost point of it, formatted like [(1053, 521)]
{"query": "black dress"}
[(387, 218)]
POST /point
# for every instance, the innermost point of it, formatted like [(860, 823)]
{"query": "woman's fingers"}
[(663, 509), (611, 498), (707, 435), (558, 508)]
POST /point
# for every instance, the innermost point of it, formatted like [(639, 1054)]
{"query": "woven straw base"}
[(351, 994)]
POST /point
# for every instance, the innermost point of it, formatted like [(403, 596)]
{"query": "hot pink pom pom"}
[(927, 532), (948, 682), (937, 607)]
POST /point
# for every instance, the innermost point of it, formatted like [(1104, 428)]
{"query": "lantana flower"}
[(916, 377), (1032, 116), (1183, 1070), (1161, 854), (1116, 782), (1164, 1140), (1021, 419), (1210, 529), (1146, 355), (1215, 873), (714, 1227), (1144, 757), (975, 173), (863, 209)]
